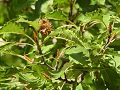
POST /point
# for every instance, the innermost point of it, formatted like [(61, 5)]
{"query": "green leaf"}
[(116, 31), (99, 83), (84, 18), (47, 6), (79, 87), (11, 27), (34, 23), (106, 19), (88, 79), (6, 48), (101, 2), (78, 54), (77, 49), (47, 48), (93, 2), (117, 61), (69, 35), (112, 81), (56, 15), (60, 2), (78, 58), (64, 69), (88, 35), (28, 77)]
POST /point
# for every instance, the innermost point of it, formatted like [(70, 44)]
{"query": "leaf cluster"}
[(81, 51)]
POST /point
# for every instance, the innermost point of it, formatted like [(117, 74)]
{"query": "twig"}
[(43, 60), (40, 51), (50, 67), (111, 37)]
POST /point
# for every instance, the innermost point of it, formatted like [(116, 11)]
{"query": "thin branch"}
[(111, 37), (50, 67), (40, 51)]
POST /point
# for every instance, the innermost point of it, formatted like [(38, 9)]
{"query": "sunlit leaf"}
[(56, 15)]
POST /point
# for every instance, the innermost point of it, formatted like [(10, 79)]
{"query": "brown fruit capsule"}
[(45, 27)]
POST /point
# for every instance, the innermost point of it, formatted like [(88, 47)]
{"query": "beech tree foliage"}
[(59, 44)]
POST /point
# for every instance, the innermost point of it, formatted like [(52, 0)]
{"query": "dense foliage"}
[(59, 45)]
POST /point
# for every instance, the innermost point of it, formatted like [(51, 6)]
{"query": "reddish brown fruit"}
[(45, 27)]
